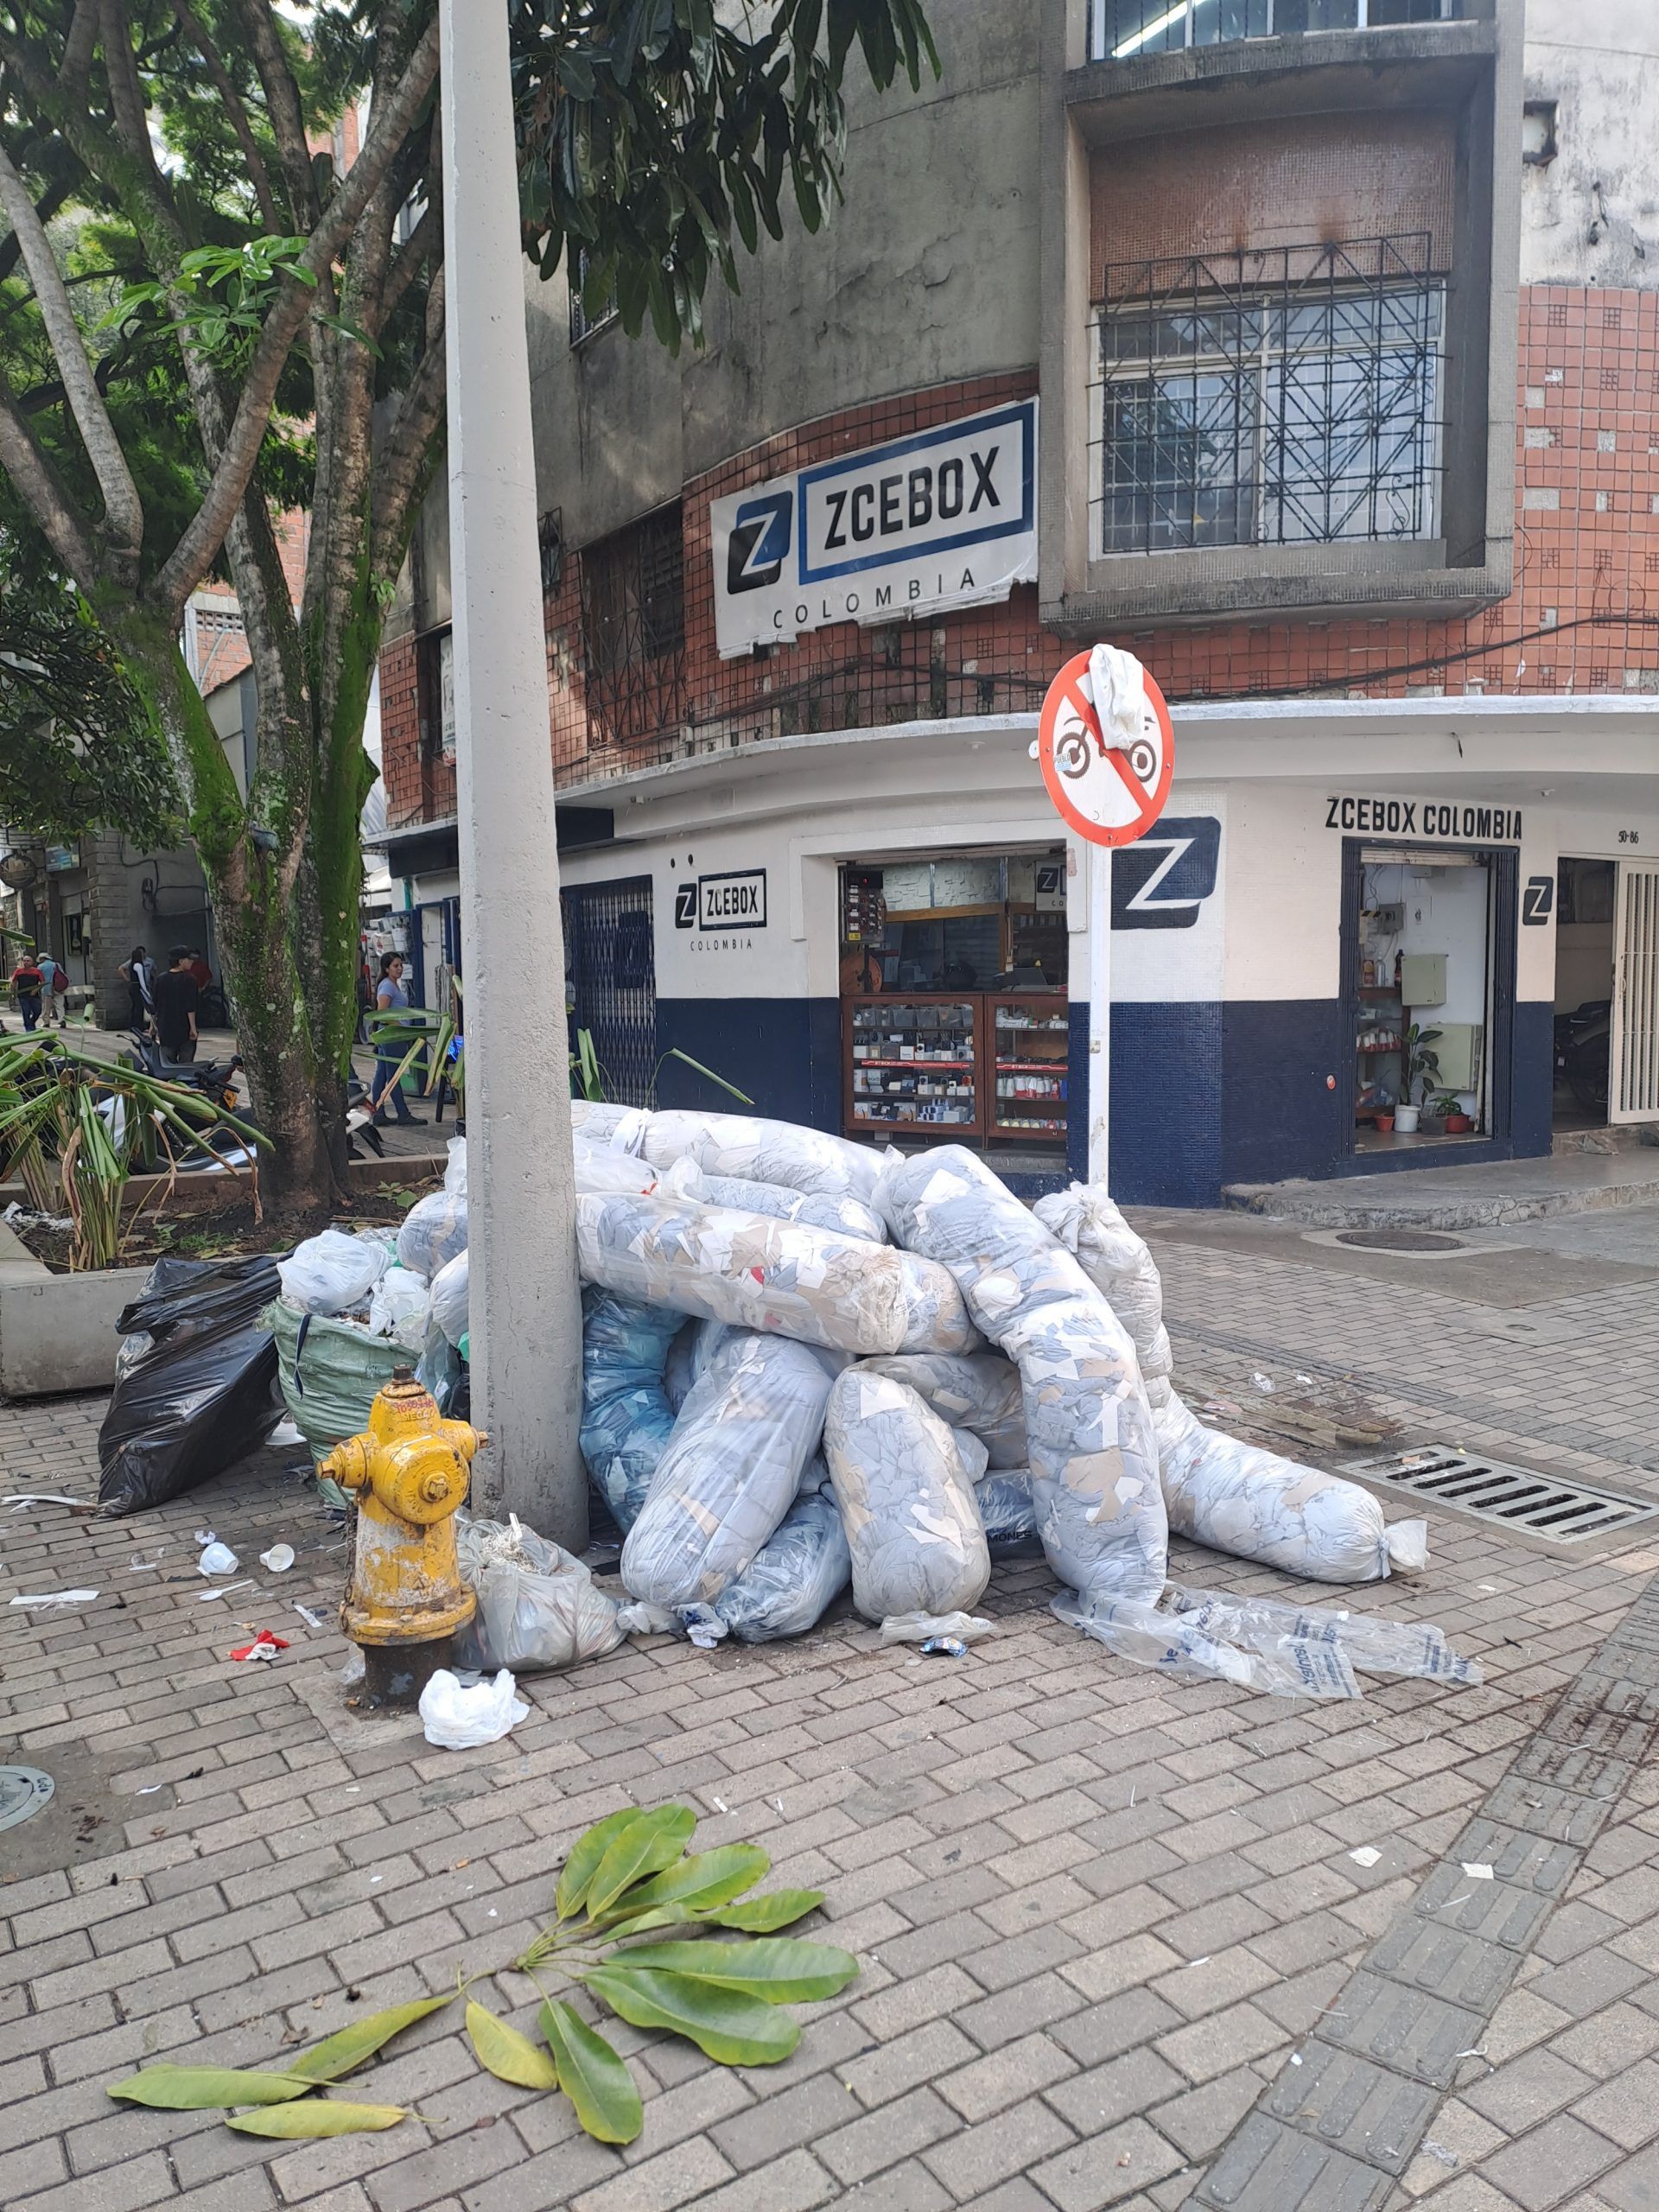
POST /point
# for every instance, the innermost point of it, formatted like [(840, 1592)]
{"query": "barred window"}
[(583, 323), (1270, 398), (633, 594), (1121, 28)]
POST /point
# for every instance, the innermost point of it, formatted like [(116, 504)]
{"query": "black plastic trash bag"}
[(201, 1393)]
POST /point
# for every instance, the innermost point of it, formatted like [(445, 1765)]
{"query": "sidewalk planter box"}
[(57, 1332)]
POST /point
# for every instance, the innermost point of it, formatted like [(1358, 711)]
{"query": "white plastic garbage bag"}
[(537, 1606), (627, 1419), (448, 1297), (907, 1500), (821, 1209), (400, 1308), (455, 1173), (979, 1391), (456, 1717), (753, 1148), (785, 1277), (796, 1574), (730, 1471), (599, 1168), (332, 1273), (1094, 1466), (434, 1231)]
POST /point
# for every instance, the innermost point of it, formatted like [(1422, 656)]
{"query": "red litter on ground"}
[(264, 1646)]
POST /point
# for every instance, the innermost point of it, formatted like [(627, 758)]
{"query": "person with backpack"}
[(56, 982)]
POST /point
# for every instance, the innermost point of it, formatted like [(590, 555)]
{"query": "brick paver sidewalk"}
[(1099, 1915)]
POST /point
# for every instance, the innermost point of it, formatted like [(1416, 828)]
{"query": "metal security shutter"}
[(611, 975), (1633, 1077)]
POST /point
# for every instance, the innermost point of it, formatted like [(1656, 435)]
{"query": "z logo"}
[(1160, 882), (685, 906), (1537, 901), (760, 542)]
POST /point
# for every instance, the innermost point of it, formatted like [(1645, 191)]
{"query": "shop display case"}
[(1029, 1046), (913, 1063)]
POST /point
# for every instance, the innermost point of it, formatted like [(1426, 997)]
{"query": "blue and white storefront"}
[(1326, 875)]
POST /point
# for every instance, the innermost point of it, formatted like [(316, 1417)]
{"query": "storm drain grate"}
[(1516, 1497)]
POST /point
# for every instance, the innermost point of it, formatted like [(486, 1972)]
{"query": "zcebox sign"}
[(733, 901), (946, 518)]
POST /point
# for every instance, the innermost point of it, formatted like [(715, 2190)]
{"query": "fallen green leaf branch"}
[(627, 1877)]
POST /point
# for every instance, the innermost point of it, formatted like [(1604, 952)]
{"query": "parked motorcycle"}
[(1583, 1052), (215, 1079)]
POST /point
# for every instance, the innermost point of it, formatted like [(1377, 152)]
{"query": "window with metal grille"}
[(1281, 396), (633, 594), (1121, 28), (584, 322)]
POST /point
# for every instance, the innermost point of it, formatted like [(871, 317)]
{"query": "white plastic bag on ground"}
[(1283, 1666), (627, 1419), (449, 1297), (455, 1173), (457, 1717), (730, 1470), (332, 1273), (757, 1150), (907, 1500), (800, 1570), (917, 1628), (1094, 1463), (537, 1606), (434, 1231), (1415, 1649), (820, 1209), (785, 1277), (400, 1308), (979, 1391)]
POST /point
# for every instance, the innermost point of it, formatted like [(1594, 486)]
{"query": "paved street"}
[(1115, 1949)]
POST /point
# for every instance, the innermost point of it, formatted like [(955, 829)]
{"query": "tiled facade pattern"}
[(1584, 615)]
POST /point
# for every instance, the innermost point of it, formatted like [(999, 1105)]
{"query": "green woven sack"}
[(330, 1373)]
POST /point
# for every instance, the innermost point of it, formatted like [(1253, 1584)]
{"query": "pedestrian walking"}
[(140, 978), (56, 999), (390, 996), (27, 984), (175, 998)]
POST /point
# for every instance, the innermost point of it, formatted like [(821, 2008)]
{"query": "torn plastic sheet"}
[(783, 1277), (918, 1628), (1415, 1649), (1286, 1666)]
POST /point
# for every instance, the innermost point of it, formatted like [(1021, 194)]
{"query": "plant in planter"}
[(1419, 1061), (1448, 1109)]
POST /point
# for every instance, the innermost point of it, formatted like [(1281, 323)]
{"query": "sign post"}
[(1109, 784)]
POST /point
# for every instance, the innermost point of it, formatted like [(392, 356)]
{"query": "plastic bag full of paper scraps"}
[(627, 1419), (1235, 1496), (820, 1209), (746, 1146), (434, 1231), (332, 1273), (785, 1277), (796, 1574), (730, 1471), (538, 1607), (906, 1499), (1094, 1463)]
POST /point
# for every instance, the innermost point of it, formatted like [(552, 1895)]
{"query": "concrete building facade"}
[(1309, 347)]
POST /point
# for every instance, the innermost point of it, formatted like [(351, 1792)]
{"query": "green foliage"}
[(658, 138), (1418, 1060), (224, 292), (626, 1872), (74, 1129)]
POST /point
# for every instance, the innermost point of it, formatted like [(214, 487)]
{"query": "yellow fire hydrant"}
[(405, 1599)]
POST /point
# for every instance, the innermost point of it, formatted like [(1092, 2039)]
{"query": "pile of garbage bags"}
[(807, 1365)]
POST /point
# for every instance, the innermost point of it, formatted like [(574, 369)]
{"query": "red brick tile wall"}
[(1586, 565)]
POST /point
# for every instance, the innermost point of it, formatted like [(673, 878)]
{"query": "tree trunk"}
[(252, 892)]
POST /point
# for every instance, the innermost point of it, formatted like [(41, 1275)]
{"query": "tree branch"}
[(45, 496), (282, 110), (234, 465), (425, 239), (236, 108), (46, 207), (401, 467), (123, 508), (126, 95), (77, 62)]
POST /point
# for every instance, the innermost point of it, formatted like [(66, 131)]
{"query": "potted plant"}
[(1417, 1061), (1455, 1122)]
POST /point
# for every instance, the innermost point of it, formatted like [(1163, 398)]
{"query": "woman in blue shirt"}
[(390, 996)]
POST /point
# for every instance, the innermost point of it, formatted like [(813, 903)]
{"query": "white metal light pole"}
[(524, 1307), (1100, 1013)]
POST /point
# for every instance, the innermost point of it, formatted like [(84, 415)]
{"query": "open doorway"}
[(1421, 1000), (1586, 893)]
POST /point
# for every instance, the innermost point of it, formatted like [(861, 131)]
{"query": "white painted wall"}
[(1600, 64)]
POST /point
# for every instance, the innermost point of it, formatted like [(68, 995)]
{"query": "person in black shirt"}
[(176, 997)]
